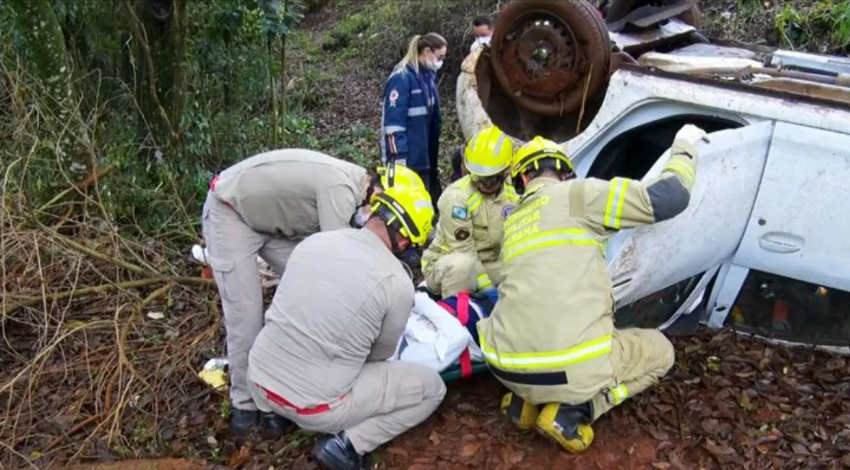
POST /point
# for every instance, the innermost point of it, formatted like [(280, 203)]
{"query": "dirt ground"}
[(728, 403)]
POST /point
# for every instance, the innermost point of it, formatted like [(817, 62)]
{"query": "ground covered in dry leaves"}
[(728, 403)]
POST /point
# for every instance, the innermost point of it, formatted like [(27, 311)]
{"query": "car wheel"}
[(549, 56)]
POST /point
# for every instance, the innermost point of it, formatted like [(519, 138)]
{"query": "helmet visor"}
[(488, 183)]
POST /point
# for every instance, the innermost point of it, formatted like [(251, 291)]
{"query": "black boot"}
[(241, 421), (335, 452), (274, 425)]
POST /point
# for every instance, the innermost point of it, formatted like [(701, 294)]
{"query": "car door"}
[(799, 227), (650, 258)]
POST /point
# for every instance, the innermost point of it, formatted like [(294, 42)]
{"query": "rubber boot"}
[(520, 412), (567, 425), (242, 421), (335, 452), (274, 425)]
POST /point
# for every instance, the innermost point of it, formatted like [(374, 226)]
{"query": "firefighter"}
[(551, 338), (465, 253), (265, 205), (337, 315)]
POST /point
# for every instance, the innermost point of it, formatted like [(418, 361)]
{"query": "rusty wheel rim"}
[(538, 61)]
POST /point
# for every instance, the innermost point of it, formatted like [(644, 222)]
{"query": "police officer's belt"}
[(535, 378)]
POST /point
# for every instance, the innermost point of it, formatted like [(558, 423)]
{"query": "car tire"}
[(581, 20)]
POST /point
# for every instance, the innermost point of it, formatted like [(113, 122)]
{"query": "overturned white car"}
[(764, 243)]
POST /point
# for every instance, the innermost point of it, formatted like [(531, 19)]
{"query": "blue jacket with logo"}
[(411, 119)]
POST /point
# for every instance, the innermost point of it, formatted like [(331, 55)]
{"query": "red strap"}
[(283, 403), (463, 317), (213, 181)]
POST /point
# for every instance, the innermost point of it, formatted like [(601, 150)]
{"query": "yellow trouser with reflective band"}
[(549, 359), (640, 358)]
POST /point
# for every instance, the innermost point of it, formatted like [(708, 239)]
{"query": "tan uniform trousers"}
[(386, 399), (640, 358), (453, 273), (233, 250)]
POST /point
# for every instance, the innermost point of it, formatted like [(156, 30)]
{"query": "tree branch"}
[(94, 176), (142, 38), (30, 301)]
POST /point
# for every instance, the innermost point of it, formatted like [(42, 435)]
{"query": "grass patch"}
[(824, 27)]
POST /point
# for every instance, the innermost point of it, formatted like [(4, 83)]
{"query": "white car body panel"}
[(799, 226), (788, 165), (708, 231)]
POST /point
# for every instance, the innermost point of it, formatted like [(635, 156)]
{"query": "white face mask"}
[(483, 40), (434, 65), (361, 217)]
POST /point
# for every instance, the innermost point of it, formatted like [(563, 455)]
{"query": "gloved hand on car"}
[(686, 140)]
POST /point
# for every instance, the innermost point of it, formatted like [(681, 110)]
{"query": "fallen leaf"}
[(661, 465), (512, 456), (470, 422), (676, 461), (744, 402), (156, 315), (395, 450), (470, 449), (800, 449), (237, 459), (434, 438)]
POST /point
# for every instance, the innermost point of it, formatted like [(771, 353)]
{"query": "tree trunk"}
[(180, 57), (152, 24), (48, 61)]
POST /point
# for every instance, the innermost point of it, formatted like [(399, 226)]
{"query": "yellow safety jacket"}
[(550, 335), (472, 222)]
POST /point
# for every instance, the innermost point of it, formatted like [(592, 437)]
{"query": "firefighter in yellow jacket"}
[(465, 253), (551, 338)]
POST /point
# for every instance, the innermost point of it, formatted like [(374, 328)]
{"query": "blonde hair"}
[(415, 47)]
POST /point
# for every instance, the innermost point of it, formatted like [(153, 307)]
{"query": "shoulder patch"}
[(460, 212), (461, 234), (393, 97), (507, 210)]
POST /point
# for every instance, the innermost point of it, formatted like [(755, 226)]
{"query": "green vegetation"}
[(164, 92), (823, 26)]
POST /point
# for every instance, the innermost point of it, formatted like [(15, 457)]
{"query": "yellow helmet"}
[(488, 152), (538, 149), (401, 175), (408, 209)]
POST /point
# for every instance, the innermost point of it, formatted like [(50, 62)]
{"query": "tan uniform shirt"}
[(344, 300), (471, 222), (293, 192), (555, 309)]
